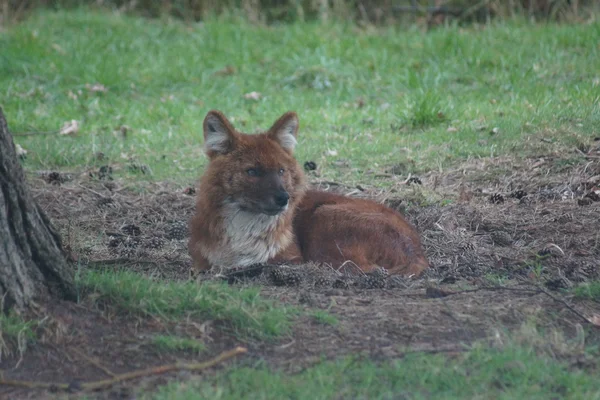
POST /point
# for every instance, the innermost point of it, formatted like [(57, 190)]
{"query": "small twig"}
[(559, 300), (285, 346), (95, 363), (588, 156), (128, 375), (570, 307), (93, 191), (352, 264)]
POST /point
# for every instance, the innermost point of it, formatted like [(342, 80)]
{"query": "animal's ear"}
[(284, 131), (219, 135)]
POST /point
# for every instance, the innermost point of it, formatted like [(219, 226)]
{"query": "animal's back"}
[(336, 229)]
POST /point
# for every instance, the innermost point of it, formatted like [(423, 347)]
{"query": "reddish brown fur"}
[(235, 223)]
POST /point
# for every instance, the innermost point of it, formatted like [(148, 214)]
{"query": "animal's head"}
[(257, 173)]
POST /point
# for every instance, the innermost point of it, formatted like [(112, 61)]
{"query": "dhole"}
[(253, 207)]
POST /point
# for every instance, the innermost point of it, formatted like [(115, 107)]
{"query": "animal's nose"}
[(282, 198)]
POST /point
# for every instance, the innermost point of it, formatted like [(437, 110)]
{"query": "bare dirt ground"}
[(505, 238)]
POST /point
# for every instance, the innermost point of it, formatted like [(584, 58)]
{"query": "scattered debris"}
[(131, 229), (518, 194), (69, 128), (21, 152), (121, 132), (139, 168), (54, 178), (253, 96), (228, 70), (496, 198), (414, 180), (96, 88), (310, 166)]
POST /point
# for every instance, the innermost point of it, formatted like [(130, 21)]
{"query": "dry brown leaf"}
[(253, 96), (464, 195), (70, 128), (228, 70)]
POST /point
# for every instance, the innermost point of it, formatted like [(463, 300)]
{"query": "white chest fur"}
[(249, 239)]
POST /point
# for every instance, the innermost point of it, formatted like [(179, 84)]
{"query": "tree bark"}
[(32, 262)]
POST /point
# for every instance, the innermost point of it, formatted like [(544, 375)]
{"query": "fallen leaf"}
[(70, 127), (96, 87), (121, 131), (21, 152), (595, 319), (452, 129), (228, 70), (464, 195), (253, 96), (58, 49), (332, 152)]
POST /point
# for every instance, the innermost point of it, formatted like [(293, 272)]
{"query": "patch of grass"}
[(496, 279), (325, 318), (16, 333), (510, 373), (352, 90), (176, 343), (588, 290), (242, 310), (427, 112)]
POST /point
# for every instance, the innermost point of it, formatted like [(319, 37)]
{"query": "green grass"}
[(242, 310), (375, 98), (511, 373), (589, 290), (325, 318), (16, 333), (176, 343)]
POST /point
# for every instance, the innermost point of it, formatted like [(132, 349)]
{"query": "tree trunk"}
[(32, 262)]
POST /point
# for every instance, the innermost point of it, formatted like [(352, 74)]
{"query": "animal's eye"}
[(252, 172), (281, 171)]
